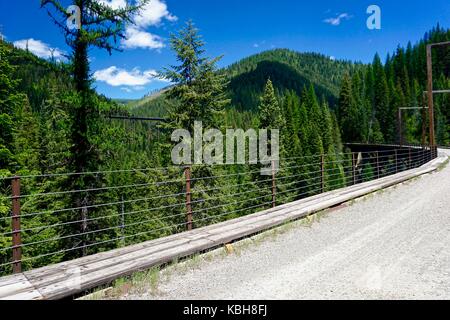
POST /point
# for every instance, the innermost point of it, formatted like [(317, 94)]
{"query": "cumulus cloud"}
[(118, 77), (337, 20), (136, 38), (152, 14), (39, 48)]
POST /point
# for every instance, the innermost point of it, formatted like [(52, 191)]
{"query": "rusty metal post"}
[(322, 172), (274, 186), (378, 166), (15, 223), (396, 161), (400, 127), (354, 168), (122, 221), (424, 124), (430, 95), (187, 174), (422, 158), (410, 158)]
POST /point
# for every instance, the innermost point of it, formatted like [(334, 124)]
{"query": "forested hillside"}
[(288, 70), (370, 98), (366, 98)]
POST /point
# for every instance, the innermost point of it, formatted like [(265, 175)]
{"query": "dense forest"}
[(364, 97), (53, 122), (370, 99)]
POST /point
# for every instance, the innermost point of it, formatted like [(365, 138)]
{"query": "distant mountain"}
[(288, 70)]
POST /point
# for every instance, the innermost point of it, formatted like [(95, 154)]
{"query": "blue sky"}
[(234, 28)]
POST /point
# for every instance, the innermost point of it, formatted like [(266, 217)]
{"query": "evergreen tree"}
[(198, 91), (269, 111), (349, 114), (381, 101), (100, 26)]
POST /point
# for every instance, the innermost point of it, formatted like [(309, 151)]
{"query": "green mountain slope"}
[(288, 70)]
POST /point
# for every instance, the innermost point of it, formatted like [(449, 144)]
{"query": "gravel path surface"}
[(392, 245)]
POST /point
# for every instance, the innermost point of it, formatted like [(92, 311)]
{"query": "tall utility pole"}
[(431, 92), (430, 96)]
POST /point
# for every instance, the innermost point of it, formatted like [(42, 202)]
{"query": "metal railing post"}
[(274, 186), (422, 158), (187, 174), (354, 168), (322, 172), (378, 165), (410, 159), (396, 161), (15, 224), (122, 221)]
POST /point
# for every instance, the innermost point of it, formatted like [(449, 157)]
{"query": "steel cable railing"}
[(135, 205)]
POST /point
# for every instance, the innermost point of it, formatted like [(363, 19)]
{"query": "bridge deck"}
[(72, 277)]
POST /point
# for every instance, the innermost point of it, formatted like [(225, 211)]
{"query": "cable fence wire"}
[(63, 216)]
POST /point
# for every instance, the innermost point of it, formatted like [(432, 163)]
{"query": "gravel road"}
[(393, 245)]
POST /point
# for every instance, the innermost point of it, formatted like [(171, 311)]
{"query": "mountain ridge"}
[(288, 70)]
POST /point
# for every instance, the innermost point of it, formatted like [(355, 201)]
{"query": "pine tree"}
[(269, 111), (381, 101), (199, 90), (348, 113), (100, 26)]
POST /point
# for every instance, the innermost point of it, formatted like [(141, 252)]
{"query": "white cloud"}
[(337, 21), (39, 48), (118, 77), (114, 4), (136, 38), (255, 45), (153, 13), (332, 58)]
